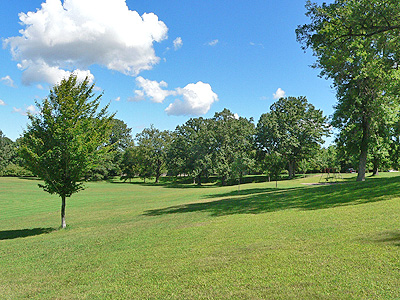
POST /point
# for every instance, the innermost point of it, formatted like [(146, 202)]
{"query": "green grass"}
[(140, 241)]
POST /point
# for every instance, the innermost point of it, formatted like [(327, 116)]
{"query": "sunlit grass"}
[(139, 241)]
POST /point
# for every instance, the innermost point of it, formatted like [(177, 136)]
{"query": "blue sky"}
[(158, 62)]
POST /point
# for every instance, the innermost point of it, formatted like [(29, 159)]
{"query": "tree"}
[(233, 154), (192, 149), (61, 142), (7, 151), (293, 128), (152, 146), (109, 165), (356, 44)]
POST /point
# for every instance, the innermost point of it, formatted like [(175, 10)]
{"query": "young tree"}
[(293, 128), (66, 137)]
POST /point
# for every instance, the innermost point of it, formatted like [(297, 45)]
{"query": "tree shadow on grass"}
[(21, 233), (255, 201), (387, 237)]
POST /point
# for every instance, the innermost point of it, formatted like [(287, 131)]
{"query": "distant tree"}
[(233, 156), (129, 163), (7, 151), (109, 164), (293, 128), (192, 149), (274, 165), (152, 145), (66, 137)]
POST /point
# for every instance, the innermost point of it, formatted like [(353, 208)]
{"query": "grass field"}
[(139, 241)]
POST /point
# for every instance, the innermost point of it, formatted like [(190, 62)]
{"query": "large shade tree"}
[(233, 154), (293, 129), (64, 139), (357, 45)]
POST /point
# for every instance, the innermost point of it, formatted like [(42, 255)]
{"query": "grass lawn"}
[(141, 241)]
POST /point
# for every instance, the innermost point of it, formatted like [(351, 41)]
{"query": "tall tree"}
[(66, 137), (293, 128), (356, 44)]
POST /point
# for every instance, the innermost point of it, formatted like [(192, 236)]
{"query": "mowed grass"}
[(141, 241)]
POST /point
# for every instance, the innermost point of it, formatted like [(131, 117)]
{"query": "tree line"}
[(288, 137)]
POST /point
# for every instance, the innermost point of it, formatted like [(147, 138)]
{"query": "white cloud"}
[(2, 103), (31, 109), (213, 43), (41, 71), (178, 43), (236, 116), (151, 89), (279, 94), (8, 81), (117, 99), (60, 37), (197, 100)]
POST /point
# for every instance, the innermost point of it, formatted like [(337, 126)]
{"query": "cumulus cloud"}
[(31, 109), (213, 43), (41, 71), (117, 99), (8, 81), (2, 103), (279, 94), (151, 89), (197, 100), (61, 37), (178, 43)]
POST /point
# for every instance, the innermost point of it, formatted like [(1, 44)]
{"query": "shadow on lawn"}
[(387, 237), (259, 200), (21, 233)]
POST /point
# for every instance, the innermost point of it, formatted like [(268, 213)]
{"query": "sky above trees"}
[(158, 62)]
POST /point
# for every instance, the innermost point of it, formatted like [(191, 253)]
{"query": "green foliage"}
[(7, 152), (356, 44), (12, 170), (108, 165), (293, 128), (152, 147), (66, 138), (192, 149), (233, 155)]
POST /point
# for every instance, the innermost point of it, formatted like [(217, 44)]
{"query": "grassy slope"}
[(135, 241)]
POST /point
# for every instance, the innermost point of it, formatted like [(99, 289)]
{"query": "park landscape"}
[(174, 241), (221, 207)]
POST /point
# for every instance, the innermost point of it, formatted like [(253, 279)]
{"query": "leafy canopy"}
[(66, 137)]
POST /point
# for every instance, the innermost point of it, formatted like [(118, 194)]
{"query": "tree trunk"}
[(291, 169), (63, 223), (363, 150), (199, 179), (375, 170)]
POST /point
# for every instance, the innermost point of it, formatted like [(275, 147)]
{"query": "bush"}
[(13, 170)]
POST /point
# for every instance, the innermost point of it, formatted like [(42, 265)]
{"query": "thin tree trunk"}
[(375, 170), (291, 169), (363, 150), (63, 223)]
